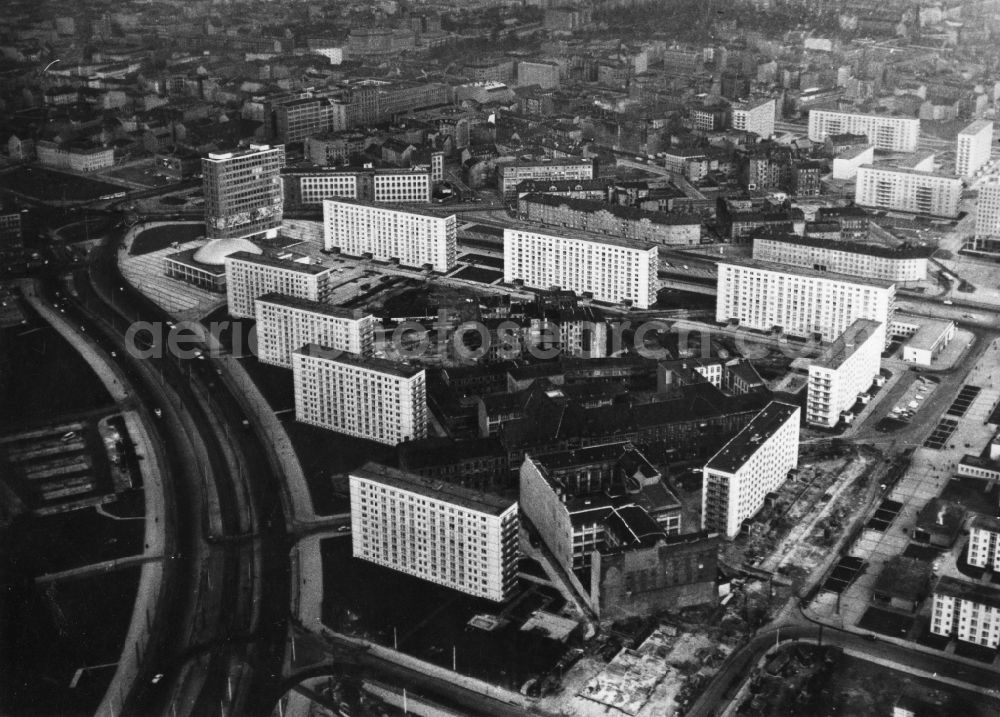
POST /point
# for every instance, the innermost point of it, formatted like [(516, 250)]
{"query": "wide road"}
[(248, 637)]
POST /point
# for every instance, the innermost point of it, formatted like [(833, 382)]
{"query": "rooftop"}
[(902, 251), (982, 594), (215, 252), (316, 307), (977, 126), (186, 258), (377, 365), (800, 271), (929, 333), (592, 206), (561, 162), (434, 488), (286, 264), (906, 170), (732, 456), (854, 336), (576, 235), (985, 522), (408, 209)]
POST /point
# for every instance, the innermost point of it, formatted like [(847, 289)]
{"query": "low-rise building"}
[(755, 462), (844, 371), (440, 532), (611, 219), (306, 187), (967, 611), (929, 341)]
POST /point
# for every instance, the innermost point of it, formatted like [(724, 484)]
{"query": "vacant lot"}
[(49, 186)]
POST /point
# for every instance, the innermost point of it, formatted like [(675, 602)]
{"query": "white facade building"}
[(412, 236), (928, 340), (988, 215), (844, 370), (845, 166), (755, 116), (902, 263), (510, 175), (908, 190), (968, 611), (610, 270), (285, 324), (250, 275), (893, 134), (391, 186), (364, 397), (972, 148), (753, 463), (440, 532), (802, 302), (984, 542)]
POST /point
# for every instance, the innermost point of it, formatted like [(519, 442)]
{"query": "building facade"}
[(249, 276), (967, 611), (412, 236), (876, 261), (365, 397), (243, 194), (443, 533), (844, 370), (801, 302), (754, 116), (611, 219), (754, 463), (610, 271), (893, 134), (987, 235), (984, 542), (304, 188), (510, 175), (285, 324), (973, 147), (908, 190)]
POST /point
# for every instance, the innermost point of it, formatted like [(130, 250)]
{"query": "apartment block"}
[(249, 276), (77, 157), (893, 134), (440, 532), (876, 261), (611, 219), (984, 542), (987, 233), (755, 116), (243, 192), (414, 237), (967, 611), (369, 398), (972, 148), (308, 187), (798, 301), (610, 270), (543, 74), (755, 462), (510, 175), (844, 370), (908, 190), (285, 324)]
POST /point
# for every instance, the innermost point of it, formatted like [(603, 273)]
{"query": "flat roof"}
[(577, 234), (866, 114), (407, 209), (561, 162), (976, 126), (981, 593), (592, 206), (372, 364), (903, 251), (802, 271), (844, 346), (286, 264), (316, 307), (434, 488), (186, 258), (907, 170), (320, 171), (985, 522), (744, 444), (929, 334)]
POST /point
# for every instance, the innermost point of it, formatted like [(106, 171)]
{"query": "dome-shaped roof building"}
[(215, 252)]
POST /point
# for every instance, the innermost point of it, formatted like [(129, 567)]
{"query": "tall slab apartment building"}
[(243, 192), (888, 132), (800, 302), (413, 236), (609, 269)]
